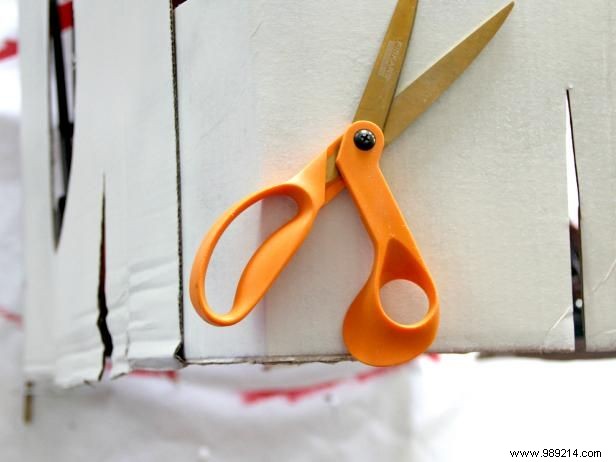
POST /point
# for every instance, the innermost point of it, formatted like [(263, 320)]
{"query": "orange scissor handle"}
[(310, 192), (369, 333)]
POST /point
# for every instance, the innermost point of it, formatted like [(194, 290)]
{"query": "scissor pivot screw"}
[(364, 139)]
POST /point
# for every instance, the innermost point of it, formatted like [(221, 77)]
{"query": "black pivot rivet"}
[(364, 139)]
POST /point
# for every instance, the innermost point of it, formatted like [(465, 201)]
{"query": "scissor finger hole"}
[(239, 242), (404, 301)]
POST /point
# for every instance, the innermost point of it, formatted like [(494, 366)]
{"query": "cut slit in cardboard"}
[(254, 90)]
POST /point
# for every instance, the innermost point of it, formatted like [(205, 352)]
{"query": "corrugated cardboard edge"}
[(179, 351)]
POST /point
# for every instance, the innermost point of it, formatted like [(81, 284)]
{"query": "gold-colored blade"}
[(415, 99), (420, 94), (381, 87)]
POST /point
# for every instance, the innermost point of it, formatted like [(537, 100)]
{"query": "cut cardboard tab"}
[(40, 348), (127, 112), (592, 113), (124, 147)]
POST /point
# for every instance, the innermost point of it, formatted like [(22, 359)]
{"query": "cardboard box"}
[(181, 112)]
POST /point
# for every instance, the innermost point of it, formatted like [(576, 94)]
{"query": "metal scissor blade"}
[(381, 87), (420, 94)]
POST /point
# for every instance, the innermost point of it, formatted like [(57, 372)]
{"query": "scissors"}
[(352, 161)]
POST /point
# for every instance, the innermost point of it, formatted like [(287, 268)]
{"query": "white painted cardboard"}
[(265, 85), (592, 108), (40, 347), (124, 148)]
